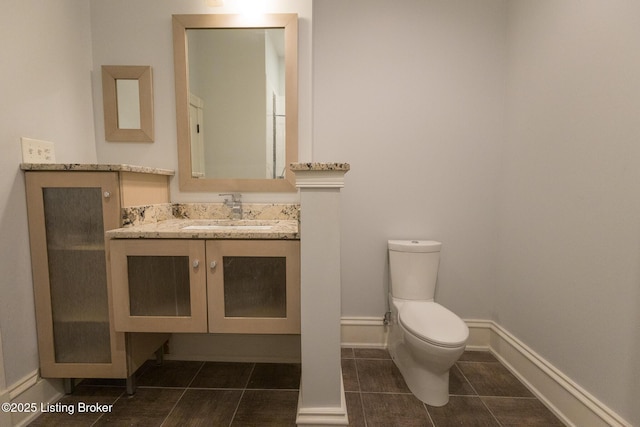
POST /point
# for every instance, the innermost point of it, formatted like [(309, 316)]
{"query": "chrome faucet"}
[(235, 203)]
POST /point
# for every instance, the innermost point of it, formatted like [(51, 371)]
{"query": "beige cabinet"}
[(216, 286), (159, 285), (253, 286), (69, 213)]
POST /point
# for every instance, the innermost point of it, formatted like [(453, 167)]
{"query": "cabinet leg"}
[(160, 356), (131, 384), (69, 385)]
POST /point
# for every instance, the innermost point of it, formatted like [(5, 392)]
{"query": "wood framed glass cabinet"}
[(69, 212), (253, 286), (216, 286), (159, 285)]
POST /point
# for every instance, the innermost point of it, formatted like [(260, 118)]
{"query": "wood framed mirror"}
[(128, 103), (236, 80)]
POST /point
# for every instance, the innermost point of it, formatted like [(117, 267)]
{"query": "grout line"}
[(218, 388), (173, 407), (235, 412), (113, 403), (476, 391), (490, 411), (355, 365), (196, 374), (466, 379), (426, 408), (404, 393), (477, 395), (253, 367), (182, 395), (511, 397)]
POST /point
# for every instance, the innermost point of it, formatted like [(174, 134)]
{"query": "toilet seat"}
[(433, 323)]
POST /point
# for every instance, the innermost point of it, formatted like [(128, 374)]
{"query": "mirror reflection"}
[(236, 101), (128, 101)]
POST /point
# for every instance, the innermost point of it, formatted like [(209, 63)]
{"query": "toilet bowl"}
[(425, 338)]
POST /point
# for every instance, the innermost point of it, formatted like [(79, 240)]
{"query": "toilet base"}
[(429, 387), (424, 367)]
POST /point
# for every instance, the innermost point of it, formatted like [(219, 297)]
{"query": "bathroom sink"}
[(247, 227)]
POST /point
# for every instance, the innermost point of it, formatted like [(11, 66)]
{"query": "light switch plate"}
[(37, 151)]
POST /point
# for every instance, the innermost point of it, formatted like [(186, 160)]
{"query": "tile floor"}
[(180, 393)]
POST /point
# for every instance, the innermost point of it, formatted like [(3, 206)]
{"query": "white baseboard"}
[(5, 417), (29, 389), (563, 396), (363, 332), (574, 405), (323, 416)]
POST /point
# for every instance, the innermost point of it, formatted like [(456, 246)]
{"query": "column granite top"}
[(93, 167), (318, 166)]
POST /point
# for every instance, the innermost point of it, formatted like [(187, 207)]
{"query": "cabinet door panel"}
[(159, 285), (68, 213), (170, 293), (75, 253), (253, 286)]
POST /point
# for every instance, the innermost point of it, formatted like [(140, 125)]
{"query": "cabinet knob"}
[(106, 194), (213, 264), (196, 263)]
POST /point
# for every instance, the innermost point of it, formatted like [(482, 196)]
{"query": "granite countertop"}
[(210, 229), (93, 167), (317, 166)]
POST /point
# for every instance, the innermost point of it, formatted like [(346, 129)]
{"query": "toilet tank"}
[(413, 265)]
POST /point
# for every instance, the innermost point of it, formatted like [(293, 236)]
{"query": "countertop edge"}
[(94, 167), (174, 229)]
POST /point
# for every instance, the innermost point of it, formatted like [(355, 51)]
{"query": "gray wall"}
[(413, 98), (45, 82), (509, 131), (506, 129), (568, 261)]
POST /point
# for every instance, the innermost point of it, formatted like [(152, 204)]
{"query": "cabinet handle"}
[(106, 194), (213, 264), (195, 263)]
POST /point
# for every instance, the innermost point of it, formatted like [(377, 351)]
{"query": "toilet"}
[(425, 338)]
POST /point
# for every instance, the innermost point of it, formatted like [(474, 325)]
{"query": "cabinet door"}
[(254, 286), (159, 285), (68, 214)]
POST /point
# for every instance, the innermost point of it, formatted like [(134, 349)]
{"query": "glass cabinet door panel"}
[(73, 217), (159, 285), (255, 286), (77, 274)]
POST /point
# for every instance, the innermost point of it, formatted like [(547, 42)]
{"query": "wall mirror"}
[(128, 103), (236, 101)]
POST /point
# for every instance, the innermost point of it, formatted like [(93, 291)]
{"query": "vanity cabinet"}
[(253, 286), (68, 213), (159, 285), (216, 286)]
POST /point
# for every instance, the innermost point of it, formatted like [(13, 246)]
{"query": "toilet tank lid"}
[(414, 245)]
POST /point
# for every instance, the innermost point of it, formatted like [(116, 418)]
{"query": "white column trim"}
[(323, 416), (321, 400)]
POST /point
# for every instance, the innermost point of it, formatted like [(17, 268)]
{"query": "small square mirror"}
[(128, 103)]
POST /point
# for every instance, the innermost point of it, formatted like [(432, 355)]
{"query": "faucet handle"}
[(235, 197)]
